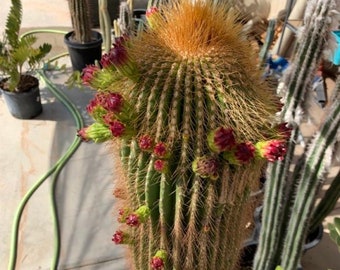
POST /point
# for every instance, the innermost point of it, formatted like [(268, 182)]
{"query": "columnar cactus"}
[(80, 20), (105, 24), (195, 124), (290, 197)]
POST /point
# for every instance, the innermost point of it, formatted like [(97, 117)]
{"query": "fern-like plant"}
[(18, 56)]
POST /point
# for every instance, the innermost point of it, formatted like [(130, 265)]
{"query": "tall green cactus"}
[(195, 122), (290, 196)]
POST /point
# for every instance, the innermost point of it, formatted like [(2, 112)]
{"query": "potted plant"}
[(84, 44), (194, 124), (18, 59), (290, 211)]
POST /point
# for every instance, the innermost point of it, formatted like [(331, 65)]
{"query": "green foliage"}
[(334, 231), (15, 52)]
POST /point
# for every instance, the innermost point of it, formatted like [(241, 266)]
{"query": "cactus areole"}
[(193, 109)]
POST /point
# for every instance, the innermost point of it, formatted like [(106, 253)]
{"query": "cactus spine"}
[(290, 197), (199, 107)]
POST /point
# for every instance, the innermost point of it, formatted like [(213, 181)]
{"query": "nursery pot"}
[(24, 105), (83, 54)]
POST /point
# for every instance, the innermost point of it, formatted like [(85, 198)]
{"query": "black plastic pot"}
[(24, 105), (83, 54), (250, 246)]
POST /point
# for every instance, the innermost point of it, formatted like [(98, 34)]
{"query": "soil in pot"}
[(82, 54), (25, 102)]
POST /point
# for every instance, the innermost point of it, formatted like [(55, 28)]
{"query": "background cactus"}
[(196, 124), (290, 195), (80, 20)]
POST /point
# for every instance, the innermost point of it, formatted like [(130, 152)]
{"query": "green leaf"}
[(278, 268)]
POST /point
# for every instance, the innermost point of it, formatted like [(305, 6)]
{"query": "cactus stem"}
[(184, 177)]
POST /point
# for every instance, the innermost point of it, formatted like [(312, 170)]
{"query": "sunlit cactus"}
[(192, 114)]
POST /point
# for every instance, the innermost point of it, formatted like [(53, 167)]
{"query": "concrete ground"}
[(84, 188)]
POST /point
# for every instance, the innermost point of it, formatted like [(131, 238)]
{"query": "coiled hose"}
[(54, 170)]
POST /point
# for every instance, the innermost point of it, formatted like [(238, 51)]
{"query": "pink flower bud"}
[(157, 263), (221, 139), (160, 150), (88, 73), (82, 134), (160, 165), (118, 237), (132, 220), (117, 128), (113, 102), (145, 142), (272, 150), (91, 106)]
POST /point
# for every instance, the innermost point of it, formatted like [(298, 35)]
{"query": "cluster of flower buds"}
[(135, 218), (160, 151), (118, 58), (158, 261), (111, 113), (116, 61), (105, 105), (222, 140)]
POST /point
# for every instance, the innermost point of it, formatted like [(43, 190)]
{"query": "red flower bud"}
[(157, 263), (118, 237), (88, 74), (81, 133), (117, 128), (113, 102), (245, 152), (145, 142), (272, 150), (221, 139), (160, 165), (160, 150), (132, 220)]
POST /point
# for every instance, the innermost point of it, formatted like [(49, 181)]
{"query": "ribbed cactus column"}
[(81, 22), (201, 122), (289, 196)]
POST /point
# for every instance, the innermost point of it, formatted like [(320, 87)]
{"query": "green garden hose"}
[(54, 170)]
